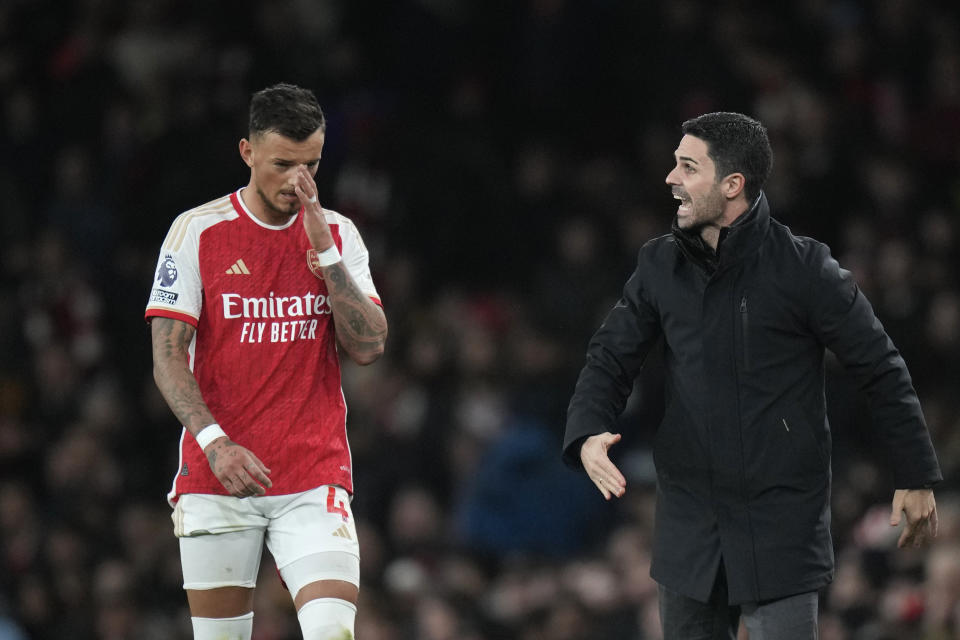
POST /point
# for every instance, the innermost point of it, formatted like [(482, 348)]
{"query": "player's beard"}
[(291, 209)]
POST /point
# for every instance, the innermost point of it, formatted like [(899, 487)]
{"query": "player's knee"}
[(327, 619), (222, 602), (238, 628)]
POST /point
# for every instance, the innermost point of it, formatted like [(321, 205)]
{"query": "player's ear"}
[(246, 152)]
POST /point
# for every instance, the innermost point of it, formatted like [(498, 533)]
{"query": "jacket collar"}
[(736, 242)]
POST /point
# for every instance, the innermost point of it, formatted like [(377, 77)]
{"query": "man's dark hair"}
[(737, 144), (287, 109)]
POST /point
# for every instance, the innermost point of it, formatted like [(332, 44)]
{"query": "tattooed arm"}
[(360, 324), (171, 371), (240, 472)]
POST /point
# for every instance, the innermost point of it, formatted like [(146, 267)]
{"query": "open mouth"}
[(684, 200)]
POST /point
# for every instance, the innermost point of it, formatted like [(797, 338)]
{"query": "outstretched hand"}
[(920, 509), (238, 470), (596, 462)]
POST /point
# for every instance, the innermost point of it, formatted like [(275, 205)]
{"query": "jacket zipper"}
[(745, 327), (739, 373)]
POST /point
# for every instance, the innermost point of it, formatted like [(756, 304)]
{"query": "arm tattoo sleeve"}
[(360, 324), (171, 371)]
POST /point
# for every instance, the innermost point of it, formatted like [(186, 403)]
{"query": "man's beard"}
[(707, 211), (293, 208)]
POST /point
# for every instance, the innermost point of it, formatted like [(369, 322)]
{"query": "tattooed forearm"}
[(171, 371), (360, 324)]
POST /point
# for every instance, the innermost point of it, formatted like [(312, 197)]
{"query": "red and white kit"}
[(264, 353)]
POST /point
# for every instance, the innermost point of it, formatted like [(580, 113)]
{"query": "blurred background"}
[(504, 162)]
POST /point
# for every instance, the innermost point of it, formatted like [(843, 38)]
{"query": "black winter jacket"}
[(743, 451)]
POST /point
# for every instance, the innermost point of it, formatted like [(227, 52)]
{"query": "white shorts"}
[(311, 536)]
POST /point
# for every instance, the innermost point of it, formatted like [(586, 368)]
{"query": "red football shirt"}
[(264, 353)]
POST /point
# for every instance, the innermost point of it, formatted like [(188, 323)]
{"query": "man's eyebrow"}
[(283, 160), (687, 158)]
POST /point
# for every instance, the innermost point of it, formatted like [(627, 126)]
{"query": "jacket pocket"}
[(804, 430)]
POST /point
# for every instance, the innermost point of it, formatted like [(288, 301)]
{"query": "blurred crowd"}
[(504, 162)]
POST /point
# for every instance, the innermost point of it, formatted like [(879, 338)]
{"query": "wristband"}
[(325, 258), (208, 434)]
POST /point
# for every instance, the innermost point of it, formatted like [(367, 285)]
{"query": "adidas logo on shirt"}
[(239, 267), (343, 532)]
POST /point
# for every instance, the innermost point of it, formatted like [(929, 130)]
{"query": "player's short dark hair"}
[(737, 144), (287, 109)]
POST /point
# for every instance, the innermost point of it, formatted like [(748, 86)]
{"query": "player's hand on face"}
[(596, 462), (314, 221), (238, 470)]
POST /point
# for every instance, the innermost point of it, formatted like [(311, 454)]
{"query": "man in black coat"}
[(746, 310)]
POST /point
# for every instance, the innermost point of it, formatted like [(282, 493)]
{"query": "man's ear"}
[(246, 152), (732, 185)]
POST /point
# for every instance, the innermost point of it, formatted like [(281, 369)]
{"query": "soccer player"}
[(254, 291)]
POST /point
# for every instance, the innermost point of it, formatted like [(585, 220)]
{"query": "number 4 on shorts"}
[(336, 506)]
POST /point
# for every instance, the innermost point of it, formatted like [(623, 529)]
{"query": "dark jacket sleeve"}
[(845, 322), (614, 358)]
